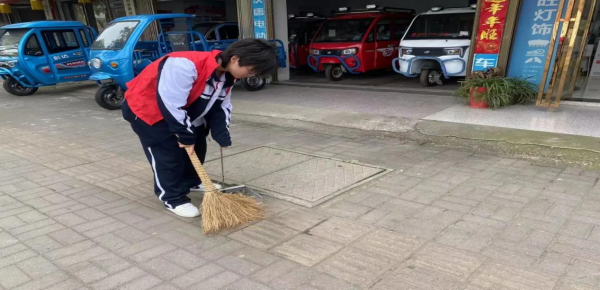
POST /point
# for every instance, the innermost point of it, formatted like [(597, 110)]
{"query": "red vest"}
[(141, 93)]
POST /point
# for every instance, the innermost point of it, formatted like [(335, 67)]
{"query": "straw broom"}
[(223, 211)]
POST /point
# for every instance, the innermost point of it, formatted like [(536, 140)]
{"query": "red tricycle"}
[(301, 30), (357, 41)]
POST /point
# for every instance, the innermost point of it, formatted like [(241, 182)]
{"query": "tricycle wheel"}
[(254, 83), (334, 73), (13, 87), (110, 97), (431, 77)]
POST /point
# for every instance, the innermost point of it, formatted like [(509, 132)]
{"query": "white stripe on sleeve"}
[(176, 80)]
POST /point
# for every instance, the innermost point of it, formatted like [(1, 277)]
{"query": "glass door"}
[(564, 76), (78, 12), (587, 85), (84, 13)]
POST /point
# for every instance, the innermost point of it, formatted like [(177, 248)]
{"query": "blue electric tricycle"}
[(226, 33), (216, 30), (129, 44), (43, 53)]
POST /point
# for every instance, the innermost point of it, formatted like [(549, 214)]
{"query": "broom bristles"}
[(224, 211)]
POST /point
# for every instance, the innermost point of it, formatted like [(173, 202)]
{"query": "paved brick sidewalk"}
[(77, 212)]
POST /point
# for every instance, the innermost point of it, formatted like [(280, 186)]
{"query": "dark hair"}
[(257, 53)]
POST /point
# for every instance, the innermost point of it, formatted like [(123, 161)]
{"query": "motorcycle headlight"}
[(315, 52), (453, 51), (349, 51), (96, 63), (404, 51)]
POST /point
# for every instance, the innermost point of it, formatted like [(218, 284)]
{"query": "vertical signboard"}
[(489, 34), (259, 18), (531, 44)]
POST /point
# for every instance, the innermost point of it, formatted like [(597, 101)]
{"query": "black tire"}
[(110, 97), (13, 87), (334, 73), (254, 84), (426, 78)]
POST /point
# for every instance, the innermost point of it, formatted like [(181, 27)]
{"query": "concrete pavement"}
[(567, 136), (77, 212)]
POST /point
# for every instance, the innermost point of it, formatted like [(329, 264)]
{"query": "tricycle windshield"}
[(344, 30), (442, 26), (115, 36), (9, 41)]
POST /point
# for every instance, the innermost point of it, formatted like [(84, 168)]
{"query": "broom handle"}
[(222, 167), (209, 186)]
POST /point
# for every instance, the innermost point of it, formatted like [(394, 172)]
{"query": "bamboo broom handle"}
[(209, 186)]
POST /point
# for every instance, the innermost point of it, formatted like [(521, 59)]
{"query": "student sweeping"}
[(177, 100)]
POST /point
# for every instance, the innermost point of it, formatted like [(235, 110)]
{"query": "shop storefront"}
[(552, 43), (555, 43), (96, 13), (20, 11), (99, 13), (576, 72)]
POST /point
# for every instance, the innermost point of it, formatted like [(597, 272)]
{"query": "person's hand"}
[(188, 148)]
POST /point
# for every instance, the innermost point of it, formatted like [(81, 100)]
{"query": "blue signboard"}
[(482, 61), (259, 19), (532, 40)]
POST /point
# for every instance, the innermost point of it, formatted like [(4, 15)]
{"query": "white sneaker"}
[(186, 210), (200, 188)]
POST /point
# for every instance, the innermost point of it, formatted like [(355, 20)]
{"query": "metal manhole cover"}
[(245, 166), (296, 177)]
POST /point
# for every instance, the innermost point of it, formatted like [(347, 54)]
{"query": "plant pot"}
[(476, 102)]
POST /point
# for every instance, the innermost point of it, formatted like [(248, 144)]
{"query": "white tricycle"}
[(436, 45)]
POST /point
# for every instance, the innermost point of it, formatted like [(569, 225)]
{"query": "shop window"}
[(84, 37), (61, 40), (384, 29), (32, 47), (101, 13)]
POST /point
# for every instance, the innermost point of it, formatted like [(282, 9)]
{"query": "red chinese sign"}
[(491, 26)]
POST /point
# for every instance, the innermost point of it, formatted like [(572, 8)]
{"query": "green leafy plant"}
[(500, 91), (523, 91)]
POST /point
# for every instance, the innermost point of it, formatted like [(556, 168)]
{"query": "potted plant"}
[(483, 90)]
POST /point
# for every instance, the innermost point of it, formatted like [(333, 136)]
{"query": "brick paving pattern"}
[(77, 212)]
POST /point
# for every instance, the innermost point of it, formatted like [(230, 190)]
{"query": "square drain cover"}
[(300, 178)]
